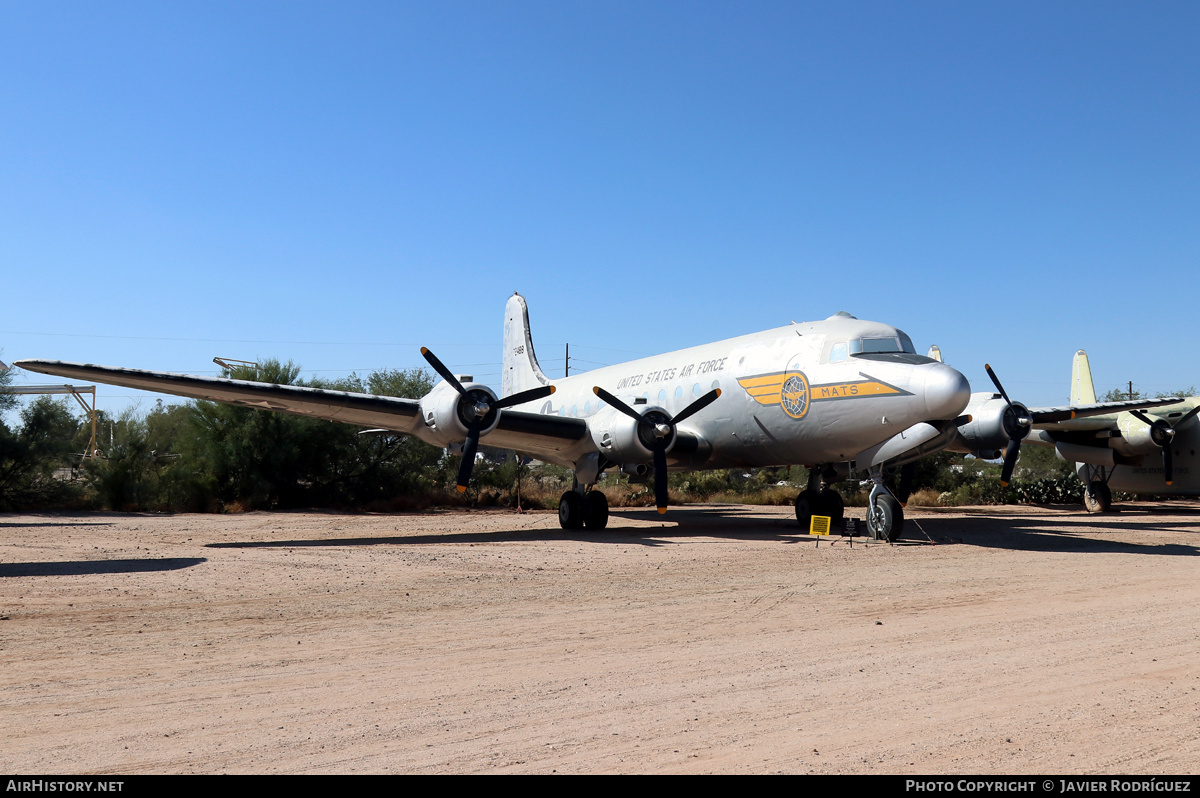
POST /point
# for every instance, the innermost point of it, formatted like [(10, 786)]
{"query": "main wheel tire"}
[(807, 505), (885, 519), (1097, 498), (830, 503), (570, 511), (595, 510)]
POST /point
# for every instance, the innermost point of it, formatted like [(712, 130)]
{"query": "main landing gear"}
[(578, 509), (885, 517), (1097, 498), (819, 499)]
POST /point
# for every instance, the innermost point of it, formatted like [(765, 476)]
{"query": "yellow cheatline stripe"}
[(846, 390), (762, 381)]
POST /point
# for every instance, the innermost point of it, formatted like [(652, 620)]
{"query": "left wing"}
[(385, 412), (530, 433)]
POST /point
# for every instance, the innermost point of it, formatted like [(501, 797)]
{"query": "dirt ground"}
[(719, 640)]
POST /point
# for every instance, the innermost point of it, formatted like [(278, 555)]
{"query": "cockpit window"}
[(837, 352), (899, 343)]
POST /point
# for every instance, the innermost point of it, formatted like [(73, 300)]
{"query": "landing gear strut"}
[(885, 516), (1097, 498)]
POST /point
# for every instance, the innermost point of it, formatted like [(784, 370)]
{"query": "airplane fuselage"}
[(798, 394)]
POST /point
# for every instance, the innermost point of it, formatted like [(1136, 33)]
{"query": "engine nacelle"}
[(446, 414), (622, 440), (1139, 438), (984, 434)]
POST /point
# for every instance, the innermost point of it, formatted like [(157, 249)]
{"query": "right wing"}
[(1102, 414)]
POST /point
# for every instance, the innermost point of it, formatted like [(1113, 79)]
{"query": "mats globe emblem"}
[(793, 395)]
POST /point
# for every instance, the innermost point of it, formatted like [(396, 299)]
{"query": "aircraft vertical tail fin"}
[(520, 369), (1083, 390)]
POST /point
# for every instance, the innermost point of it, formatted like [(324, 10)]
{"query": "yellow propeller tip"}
[(662, 510), (424, 350), (596, 390), (462, 488), (552, 389), (1003, 484)]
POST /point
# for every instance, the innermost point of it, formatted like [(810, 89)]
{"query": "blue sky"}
[(339, 184)]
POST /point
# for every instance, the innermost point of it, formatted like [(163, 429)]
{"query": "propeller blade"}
[(533, 394), (698, 405), (1010, 461), (441, 369), (1187, 416), (1168, 466), (1140, 416), (617, 403), (996, 382), (660, 476), (470, 445)]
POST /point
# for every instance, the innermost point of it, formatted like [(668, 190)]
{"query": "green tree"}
[(8, 400), (262, 460)]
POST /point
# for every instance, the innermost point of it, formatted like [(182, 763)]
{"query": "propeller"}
[(1016, 422), (478, 407), (1162, 433), (656, 430)]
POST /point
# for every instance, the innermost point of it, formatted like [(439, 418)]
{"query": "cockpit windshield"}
[(898, 343), (889, 344)]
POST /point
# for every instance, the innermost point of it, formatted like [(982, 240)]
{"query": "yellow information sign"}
[(819, 525)]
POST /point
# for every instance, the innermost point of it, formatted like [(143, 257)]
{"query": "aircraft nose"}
[(946, 392)]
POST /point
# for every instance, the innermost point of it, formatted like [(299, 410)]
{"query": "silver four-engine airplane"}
[(837, 395)]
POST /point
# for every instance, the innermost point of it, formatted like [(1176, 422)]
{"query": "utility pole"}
[(567, 362)]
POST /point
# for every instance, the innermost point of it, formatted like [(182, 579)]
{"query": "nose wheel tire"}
[(570, 510), (885, 519)]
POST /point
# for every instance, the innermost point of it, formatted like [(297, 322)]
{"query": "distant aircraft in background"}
[(1082, 431), (1131, 451)]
